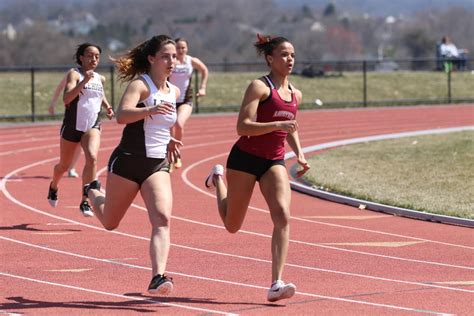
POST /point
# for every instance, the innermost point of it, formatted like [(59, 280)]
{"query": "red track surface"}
[(342, 259)]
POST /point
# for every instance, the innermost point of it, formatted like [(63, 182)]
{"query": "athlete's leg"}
[(184, 112), (275, 187), (157, 195), (90, 143), (72, 169), (66, 155), (111, 208), (233, 201)]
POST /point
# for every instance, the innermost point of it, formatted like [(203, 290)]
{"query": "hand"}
[(290, 126), (88, 75), (201, 92), (162, 108), (302, 162), (173, 151), (110, 113), (51, 109)]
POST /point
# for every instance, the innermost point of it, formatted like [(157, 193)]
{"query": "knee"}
[(232, 228), (162, 220), (110, 226), (281, 218)]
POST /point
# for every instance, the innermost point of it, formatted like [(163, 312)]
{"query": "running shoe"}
[(160, 284), (279, 291), (217, 170), (86, 209), (72, 173), (52, 196), (93, 185)]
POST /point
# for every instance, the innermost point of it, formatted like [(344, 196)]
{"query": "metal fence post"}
[(33, 110), (196, 90), (449, 85), (364, 71)]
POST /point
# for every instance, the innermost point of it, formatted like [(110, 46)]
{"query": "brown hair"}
[(266, 44), (135, 62), (180, 39)]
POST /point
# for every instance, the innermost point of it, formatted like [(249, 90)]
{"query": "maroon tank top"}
[(270, 146)]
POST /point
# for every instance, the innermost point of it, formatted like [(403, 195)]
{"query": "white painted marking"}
[(127, 297)]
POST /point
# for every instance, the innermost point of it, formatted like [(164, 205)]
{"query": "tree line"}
[(47, 32)]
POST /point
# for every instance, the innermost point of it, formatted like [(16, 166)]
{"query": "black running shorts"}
[(243, 161), (135, 168), (70, 133)]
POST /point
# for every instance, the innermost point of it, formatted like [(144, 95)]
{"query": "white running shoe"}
[(217, 170), (86, 209), (72, 173), (279, 291)]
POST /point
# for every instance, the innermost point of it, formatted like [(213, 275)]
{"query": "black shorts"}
[(243, 161), (135, 168), (71, 134), (190, 102)]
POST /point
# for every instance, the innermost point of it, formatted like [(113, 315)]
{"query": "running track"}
[(343, 260)]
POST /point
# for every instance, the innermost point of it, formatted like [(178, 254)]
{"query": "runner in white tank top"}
[(140, 163), (83, 98), (181, 77)]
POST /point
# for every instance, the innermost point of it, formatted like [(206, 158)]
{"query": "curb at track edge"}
[(307, 188)]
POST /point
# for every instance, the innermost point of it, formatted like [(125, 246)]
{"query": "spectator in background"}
[(449, 51)]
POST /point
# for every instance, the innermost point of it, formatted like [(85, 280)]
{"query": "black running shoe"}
[(52, 196), (160, 284), (86, 209), (93, 185)]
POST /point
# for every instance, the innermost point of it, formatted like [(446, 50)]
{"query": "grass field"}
[(432, 173), (225, 89)]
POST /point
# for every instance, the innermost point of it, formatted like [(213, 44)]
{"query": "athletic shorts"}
[(188, 97), (71, 134), (135, 168), (178, 104), (243, 161)]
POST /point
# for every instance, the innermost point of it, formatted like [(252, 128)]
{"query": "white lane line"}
[(195, 249), (7, 194), (230, 282), (353, 217), (69, 270), (135, 298), (184, 176), (424, 284)]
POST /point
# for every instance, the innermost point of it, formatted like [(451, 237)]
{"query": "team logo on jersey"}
[(284, 114)]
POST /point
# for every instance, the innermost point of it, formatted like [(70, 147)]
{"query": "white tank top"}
[(181, 76), (89, 103), (157, 127)]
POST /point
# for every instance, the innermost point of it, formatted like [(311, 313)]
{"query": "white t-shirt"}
[(449, 50)]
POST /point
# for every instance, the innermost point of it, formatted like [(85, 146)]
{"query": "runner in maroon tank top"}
[(267, 117)]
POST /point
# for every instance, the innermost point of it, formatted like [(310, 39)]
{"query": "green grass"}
[(226, 89), (432, 173)]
